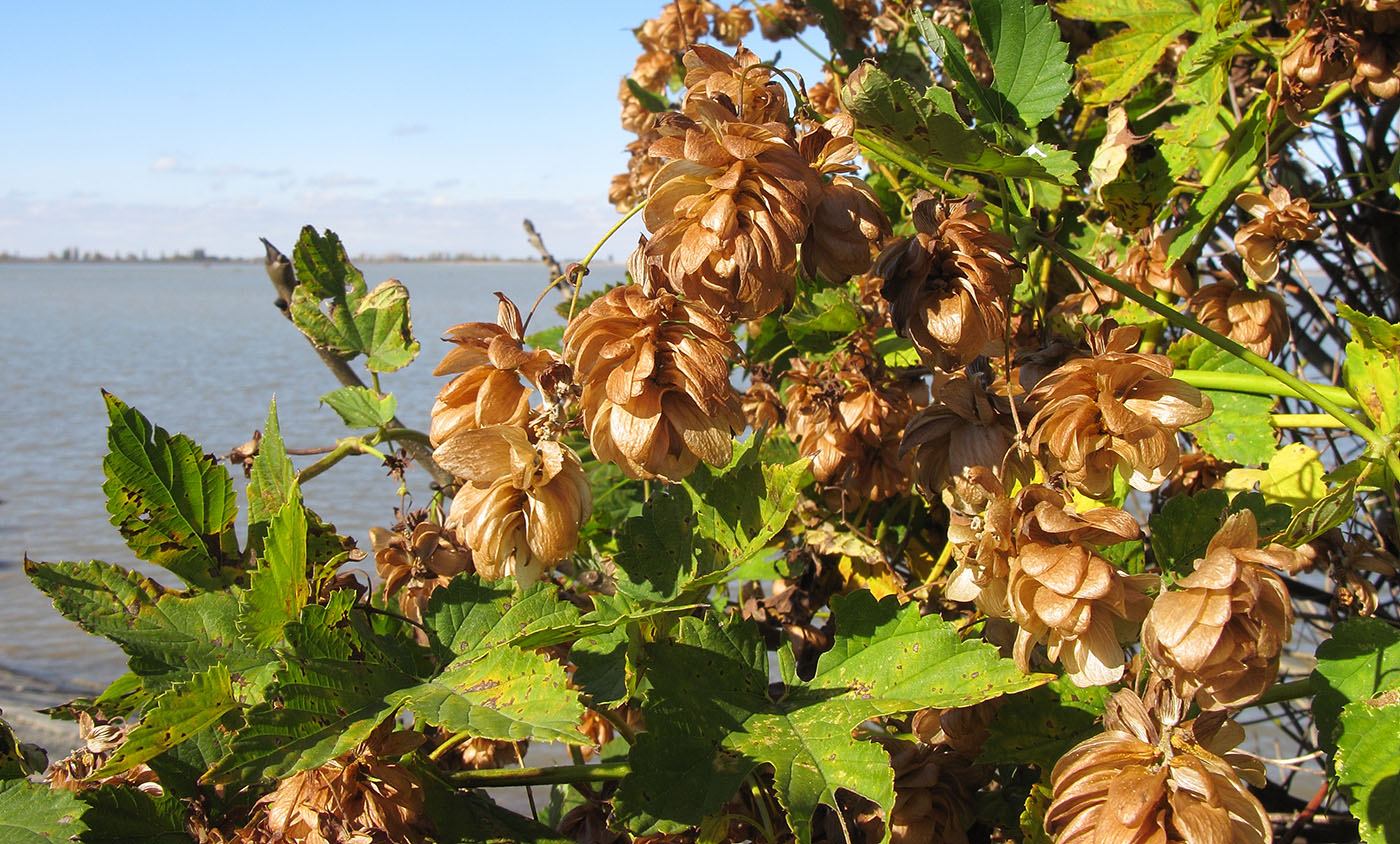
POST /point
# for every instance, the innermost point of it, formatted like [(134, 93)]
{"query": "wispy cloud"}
[(406, 129), (167, 164), (339, 180)]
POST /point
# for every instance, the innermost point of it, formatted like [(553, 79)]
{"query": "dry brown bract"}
[(848, 225), (1116, 411), (947, 285), (744, 88), (956, 440), (1278, 218), (100, 739), (522, 503), (1063, 592), (1220, 631), (359, 797), (727, 213), (488, 360), (679, 25), (416, 565), (1131, 784), (732, 25), (655, 375), (1256, 319)]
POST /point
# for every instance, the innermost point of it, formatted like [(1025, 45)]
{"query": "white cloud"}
[(166, 164)]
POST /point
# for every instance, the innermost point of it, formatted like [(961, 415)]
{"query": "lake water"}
[(198, 349)]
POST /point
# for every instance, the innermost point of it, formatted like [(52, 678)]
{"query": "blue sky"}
[(159, 126)]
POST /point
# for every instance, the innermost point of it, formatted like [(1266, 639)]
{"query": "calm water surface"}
[(198, 349)]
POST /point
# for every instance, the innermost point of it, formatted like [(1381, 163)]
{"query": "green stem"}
[(1303, 420), (343, 449), (409, 434), (1260, 385), (503, 777), (583, 265), (449, 743), (1292, 690), (1175, 317), (877, 146)]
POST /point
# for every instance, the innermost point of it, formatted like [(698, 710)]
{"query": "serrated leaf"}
[(470, 613), (36, 814), (699, 747), (173, 504), (123, 815), (655, 556), (892, 109), (169, 636), (650, 100), (19, 760), (470, 817), (1292, 476), (1337, 505), (270, 482), (989, 105), (1244, 151), (1185, 525), (1368, 767), (1238, 431), (1028, 57), (828, 310), (1372, 367), (332, 308), (174, 717), (499, 693), (549, 338), (279, 587), (1040, 725), (361, 407), (1360, 661), (1116, 65)]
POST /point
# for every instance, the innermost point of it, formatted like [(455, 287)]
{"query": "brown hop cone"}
[(763, 407), (1144, 266), (628, 189), (1278, 218), (1256, 319), (1064, 593), (1220, 630), (1377, 60), (99, 740), (653, 70), (785, 18), (731, 25), (1323, 54), (680, 24), (357, 797), (488, 361), (848, 225), (933, 791), (954, 440), (636, 118), (983, 545), (947, 285), (727, 213), (655, 374), (415, 565), (1134, 785), (522, 502), (743, 87), (1117, 411), (847, 414), (825, 96)]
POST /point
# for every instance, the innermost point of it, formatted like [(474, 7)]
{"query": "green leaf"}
[(938, 139), (699, 747), (1028, 57), (1115, 65), (1191, 137), (656, 550), (19, 760), (36, 814), (470, 614), (990, 105), (279, 587), (1041, 725), (172, 503), (1337, 505), (270, 482), (332, 309), (470, 817), (169, 636), (829, 310), (361, 407), (1238, 430), (650, 100), (123, 815), (1184, 527), (1368, 767), (1372, 367), (744, 506), (176, 715), (1359, 662), (499, 693), (549, 338), (1244, 151)]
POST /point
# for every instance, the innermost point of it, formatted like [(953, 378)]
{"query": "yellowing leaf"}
[(1117, 64), (1294, 476)]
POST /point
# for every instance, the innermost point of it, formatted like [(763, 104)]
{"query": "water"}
[(198, 349)]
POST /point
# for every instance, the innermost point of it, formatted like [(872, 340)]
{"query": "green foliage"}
[(1119, 63), (1359, 662), (1372, 367), (332, 308), (18, 760), (272, 477), (1028, 57), (1185, 525), (119, 815), (361, 407), (173, 504), (1238, 431), (175, 716), (1368, 767), (1041, 725), (1243, 152), (278, 588), (36, 814), (699, 748)]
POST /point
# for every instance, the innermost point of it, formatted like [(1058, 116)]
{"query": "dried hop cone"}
[(1221, 629), (1278, 218), (947, 285), (1134, 784), (522, 502), (655, 374), (416, 565), (1064, 593), (1116, 411), (848, 225), (739, 83), (956, 441), (680, 23), (1256, 319), (727, 213), (488, 361)]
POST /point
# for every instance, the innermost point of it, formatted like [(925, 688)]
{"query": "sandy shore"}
[(21, 695)]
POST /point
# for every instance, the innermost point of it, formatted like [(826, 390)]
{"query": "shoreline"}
[(22, 694)]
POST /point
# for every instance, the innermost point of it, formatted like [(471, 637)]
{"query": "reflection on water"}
[(200, 350)]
